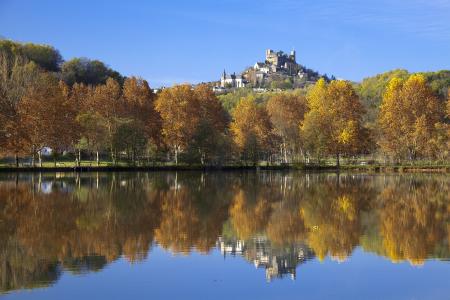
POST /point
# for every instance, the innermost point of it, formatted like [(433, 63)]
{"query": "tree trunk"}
[(40, 158), (285, 153), (33, 159), (202, 157), (79, 157), (98, 159), (113, 158), (176, 155), (337, 161), (17, 160)]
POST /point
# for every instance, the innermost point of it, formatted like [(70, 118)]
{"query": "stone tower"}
[(293, 55)]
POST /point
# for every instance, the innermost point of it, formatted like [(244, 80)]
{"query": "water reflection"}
[(55, 223)]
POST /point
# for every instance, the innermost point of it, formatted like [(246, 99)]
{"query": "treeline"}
[(81, 109)]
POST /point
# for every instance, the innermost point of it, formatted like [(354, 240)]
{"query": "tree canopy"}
[(45, 56), (91, 72)]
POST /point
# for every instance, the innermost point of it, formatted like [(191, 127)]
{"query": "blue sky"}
[(174, 41)]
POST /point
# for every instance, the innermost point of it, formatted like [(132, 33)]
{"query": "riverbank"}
[(299, 167)]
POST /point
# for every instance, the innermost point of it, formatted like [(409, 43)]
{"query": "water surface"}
[(230, 235)]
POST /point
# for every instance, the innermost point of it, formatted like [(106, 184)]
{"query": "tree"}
[(79, 97), (371, 91), (107, 102), (49, 115), (143, 120), (93, 133), (286, 113), (129, 138), (333, 124), (83, 70), (209, 138), (178, 107), (46, 57), (408, 115), (283, 84), (17, 75), (439, 142), (251, 129)]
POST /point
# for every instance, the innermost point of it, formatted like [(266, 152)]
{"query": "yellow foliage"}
[(408, 115)]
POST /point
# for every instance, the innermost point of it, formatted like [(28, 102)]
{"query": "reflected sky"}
[(239, 235)]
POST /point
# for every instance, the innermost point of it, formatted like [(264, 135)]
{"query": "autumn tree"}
[(333, 124), (143, 122), (408, 115), (252, 130), (49, 115), (93, 133), (17, 75), (286, 113), (79, 95), (107, 102), (439, 142), (179, 109), (209, 140)]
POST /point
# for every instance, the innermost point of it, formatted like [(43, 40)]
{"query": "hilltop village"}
[(279, 70)]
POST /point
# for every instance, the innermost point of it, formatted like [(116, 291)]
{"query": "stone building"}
[(232, 80), (281, 62)]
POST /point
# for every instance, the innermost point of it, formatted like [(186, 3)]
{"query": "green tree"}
[(46, 57), (84, 70)]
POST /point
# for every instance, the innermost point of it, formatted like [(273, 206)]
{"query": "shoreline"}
[(311, 168)]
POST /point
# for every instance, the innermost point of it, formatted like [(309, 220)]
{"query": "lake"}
[(224, 235)]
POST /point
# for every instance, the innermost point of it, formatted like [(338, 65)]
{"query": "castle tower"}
[(293, 55)]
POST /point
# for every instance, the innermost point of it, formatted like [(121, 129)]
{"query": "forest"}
[(81, 111)]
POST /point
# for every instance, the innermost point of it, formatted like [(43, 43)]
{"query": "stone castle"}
[(276, 65), (278, 62)]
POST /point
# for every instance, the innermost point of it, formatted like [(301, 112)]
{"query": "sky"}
[(178, 41)]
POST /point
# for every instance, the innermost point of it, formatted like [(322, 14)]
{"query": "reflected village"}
[(80, 223)]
